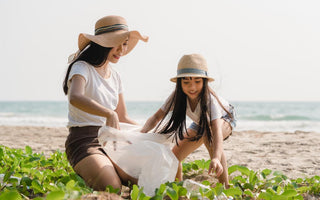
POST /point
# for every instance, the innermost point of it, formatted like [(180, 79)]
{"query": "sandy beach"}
[(296, 154)]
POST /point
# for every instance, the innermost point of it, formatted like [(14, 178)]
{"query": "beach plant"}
[(32, 175), (195, 167), (28, 175)]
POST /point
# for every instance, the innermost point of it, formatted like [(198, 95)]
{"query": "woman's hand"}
[(215, 167), (113, 120)]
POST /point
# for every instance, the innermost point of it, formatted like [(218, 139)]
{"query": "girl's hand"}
[(215, 167), (113, 120)]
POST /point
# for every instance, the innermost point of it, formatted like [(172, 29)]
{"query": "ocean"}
[(260, 116)]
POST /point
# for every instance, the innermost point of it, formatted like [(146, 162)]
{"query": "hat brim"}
[(174, 79), (112, 39)]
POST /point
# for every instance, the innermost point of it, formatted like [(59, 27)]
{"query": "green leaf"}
[(37, 188), (172, 194), (218, 189), (146, 198), (206, 182), (26, 180), (289, 193), (56, 195), (248, 186), (265, 196), (279, 189), (277, 173), (233, 192), (10, 195), (266, 172), (7, 175), (271, 191), (207, 164), (110, 189), (134, 192), (182, 191), (1, 153), (14, 181), (299, 180), (28, 150), (195, 167), (209, 194), (248, 193), (70, 184), (232, 169), (244, 170), (299, 197), (160, 191)]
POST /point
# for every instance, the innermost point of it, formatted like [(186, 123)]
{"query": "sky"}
[(257, 50)]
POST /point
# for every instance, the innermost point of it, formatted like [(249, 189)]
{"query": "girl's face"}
[(116, 52), (192, 87)]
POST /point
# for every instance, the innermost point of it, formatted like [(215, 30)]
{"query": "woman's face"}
[(117, 52), (192, 87)]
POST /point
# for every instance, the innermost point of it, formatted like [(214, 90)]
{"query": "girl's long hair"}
[(176, 125), (94, 54)]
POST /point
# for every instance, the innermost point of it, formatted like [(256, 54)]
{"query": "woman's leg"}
[(98, 172)]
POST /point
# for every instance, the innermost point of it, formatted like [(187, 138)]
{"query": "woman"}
[(95, 97), (212, 116)]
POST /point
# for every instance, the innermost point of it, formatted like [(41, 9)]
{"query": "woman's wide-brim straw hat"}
[(110, 31), (192, 65)]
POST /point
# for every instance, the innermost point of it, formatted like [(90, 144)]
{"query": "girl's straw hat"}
[(110, 31), (194, 65)]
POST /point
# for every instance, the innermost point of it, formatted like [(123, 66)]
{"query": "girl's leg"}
[(224, 177), (184, 148), (226, 129)]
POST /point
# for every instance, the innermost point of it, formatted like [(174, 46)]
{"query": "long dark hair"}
[(94, 54), (176, 125)]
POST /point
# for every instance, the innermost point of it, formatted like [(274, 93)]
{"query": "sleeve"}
[(79, 68), (216, 110), (117, 80), (120, 87)]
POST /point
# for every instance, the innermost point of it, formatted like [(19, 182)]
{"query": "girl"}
[(95, 99), (212, 116)]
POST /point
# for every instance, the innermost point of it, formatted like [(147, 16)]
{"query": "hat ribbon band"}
[(111, 28), (191, 70)]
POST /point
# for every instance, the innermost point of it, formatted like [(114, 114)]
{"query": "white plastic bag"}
[(145, 156)]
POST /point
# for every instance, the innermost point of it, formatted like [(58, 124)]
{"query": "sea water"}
[(260, 116)]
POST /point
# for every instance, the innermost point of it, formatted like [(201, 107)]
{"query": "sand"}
[(295, 154)]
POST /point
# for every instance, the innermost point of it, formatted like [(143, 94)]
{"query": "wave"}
[(278, 118), (262, 116), (27, 120)]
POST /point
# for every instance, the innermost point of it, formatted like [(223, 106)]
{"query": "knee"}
[(100, 184)]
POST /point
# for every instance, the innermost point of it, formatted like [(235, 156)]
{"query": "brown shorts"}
[(82, 142)]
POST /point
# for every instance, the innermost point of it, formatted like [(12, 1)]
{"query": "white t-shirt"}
[(216, 110), (104, 91)]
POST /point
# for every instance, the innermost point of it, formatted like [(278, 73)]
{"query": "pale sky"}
[(257, 50)]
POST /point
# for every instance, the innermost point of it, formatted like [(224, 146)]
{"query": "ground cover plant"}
[(28, 175)]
